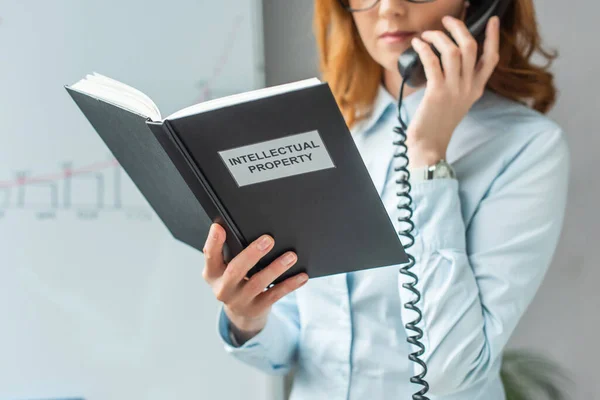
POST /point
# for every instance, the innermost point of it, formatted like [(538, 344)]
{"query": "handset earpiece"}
[(409, 63)]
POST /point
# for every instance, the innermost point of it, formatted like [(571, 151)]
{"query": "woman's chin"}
[(391, 63), (393, 56)]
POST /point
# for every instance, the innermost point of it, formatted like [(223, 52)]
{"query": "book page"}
[(243, 97), (118, 93), (125, 96)]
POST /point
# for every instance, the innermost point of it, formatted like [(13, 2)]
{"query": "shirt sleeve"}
[(475, 288), (274, 348)]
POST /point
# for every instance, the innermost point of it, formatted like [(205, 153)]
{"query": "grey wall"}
[(564, 318), (290, 51)]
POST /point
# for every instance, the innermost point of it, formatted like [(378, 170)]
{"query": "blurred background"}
[(98, 301)]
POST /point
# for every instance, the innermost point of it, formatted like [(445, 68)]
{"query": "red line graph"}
[(68, 172)]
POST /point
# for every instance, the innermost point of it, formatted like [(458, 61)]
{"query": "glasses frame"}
[(350, 9)]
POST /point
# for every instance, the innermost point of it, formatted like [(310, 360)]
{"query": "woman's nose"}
[(397, 7)]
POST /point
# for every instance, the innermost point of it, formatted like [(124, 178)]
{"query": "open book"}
[(123, 95), (278, 160)]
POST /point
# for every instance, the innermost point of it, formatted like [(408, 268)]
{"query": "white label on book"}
[(273, 159)]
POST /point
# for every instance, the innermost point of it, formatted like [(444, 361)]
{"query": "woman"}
[(484, 234)]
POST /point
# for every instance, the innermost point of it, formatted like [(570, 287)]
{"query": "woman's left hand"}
[(450, 93)]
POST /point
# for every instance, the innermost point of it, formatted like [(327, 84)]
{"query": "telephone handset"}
[(413, 74), (478, 13)]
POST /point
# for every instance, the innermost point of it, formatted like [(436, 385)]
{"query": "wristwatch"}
[(439, 170)]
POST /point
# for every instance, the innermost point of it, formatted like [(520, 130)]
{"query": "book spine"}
[(196, 180)]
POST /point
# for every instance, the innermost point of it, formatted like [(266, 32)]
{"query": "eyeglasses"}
[(363, 5)]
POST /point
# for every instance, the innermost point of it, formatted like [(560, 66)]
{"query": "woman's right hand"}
[(246, 302)]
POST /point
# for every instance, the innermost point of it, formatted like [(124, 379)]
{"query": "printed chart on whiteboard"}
[(99, 301)]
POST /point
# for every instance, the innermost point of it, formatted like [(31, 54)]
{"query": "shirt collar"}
[(382, 148), (384, 101)]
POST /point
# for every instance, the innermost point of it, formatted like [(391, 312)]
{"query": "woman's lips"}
[(397, 37)]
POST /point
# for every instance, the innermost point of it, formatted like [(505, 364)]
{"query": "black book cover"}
[(285, 165), (171, 189)]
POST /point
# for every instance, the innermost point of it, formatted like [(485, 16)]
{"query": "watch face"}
[(442, 171), (439, 170)]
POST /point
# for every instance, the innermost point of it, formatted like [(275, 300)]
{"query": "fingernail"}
[(288, 258), (264, 242), (302, 278)]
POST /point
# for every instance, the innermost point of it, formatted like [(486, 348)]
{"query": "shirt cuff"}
[(259, 340), (437, 215)]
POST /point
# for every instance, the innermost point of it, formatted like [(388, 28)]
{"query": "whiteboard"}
[(97, 299)]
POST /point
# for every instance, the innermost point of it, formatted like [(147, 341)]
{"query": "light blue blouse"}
[(483, 244)]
